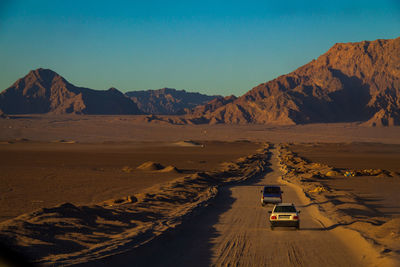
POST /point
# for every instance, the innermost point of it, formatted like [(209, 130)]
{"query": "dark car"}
[(271, 194)]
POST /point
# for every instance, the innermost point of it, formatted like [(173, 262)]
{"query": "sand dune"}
[(85, 174), (65, 141), (70, 234), (343, 208), (100, 222), (188, 143), (150, 166), (155, 166), (170, 168)]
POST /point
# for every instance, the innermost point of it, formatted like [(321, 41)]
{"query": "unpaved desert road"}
[(234, 232)]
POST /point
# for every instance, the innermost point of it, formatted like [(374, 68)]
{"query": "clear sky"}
[(213, 47)]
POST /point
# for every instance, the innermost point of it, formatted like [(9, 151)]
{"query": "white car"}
[(284, 214)]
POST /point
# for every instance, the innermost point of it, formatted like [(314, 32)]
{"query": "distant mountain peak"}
[(43, 71), (115, 90), (42, 74), (45, 91)]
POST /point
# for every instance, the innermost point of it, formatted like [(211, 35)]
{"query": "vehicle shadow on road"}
[(312, 229)]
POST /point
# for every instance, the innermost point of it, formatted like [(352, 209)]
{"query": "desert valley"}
[(172, 178)]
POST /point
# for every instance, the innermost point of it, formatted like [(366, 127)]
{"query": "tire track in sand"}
[(234, 231)]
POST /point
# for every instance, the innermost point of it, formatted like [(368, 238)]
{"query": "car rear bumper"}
[(284, 223), (271, 200)]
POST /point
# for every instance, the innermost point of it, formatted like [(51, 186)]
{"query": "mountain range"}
[(351, 82), (45, 91), (167, 101)]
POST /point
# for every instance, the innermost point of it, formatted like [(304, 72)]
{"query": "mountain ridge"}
[(350, 82), (45, 91), (167, 101)]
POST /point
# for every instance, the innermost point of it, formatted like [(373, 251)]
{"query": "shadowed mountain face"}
[(350, 82), (44, 91), (167, 101)]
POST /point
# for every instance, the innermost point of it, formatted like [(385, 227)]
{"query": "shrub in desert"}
[(350, 174)]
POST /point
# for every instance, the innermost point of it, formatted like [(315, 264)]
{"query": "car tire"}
[(272, 228), (298, 227), (263, 204)]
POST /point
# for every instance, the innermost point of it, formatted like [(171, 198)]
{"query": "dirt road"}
[(234, 232)]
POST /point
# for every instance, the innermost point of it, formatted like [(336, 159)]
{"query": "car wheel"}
[(272, 228), (298, 227), (263, 204)]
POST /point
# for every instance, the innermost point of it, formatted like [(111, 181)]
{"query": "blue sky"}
[(213, 47)]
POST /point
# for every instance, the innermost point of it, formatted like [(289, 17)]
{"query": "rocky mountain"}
[(211, 105), (350, 82), (167, 101), (44, 91)]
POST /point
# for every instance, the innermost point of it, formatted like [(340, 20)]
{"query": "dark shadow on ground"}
[(12, 258), (189, 244)]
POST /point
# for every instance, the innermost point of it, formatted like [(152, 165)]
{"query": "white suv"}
[(284, 214)]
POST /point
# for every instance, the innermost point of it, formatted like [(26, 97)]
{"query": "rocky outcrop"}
[(44, 91), (167, 101), (351, 82), (211, 106), (3, 115), (384, 117)]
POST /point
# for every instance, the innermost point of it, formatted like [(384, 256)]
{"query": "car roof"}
[(284, 204), (271, 186)]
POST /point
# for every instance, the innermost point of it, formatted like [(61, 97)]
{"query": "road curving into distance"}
[(234, 231)]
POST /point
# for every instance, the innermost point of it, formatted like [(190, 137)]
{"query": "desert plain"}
[(117, 190)]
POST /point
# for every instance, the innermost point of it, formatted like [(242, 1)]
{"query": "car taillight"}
[(273, 217), (295, 217)]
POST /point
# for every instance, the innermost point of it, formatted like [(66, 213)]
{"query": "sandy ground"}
[(85, 160), (362, 200), (352, 155), (69, 234), (38, 175), (234, 232), (379, 193), (134, 128)]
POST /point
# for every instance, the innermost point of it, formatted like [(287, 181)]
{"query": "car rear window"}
[(285, 209), (272, 190)]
